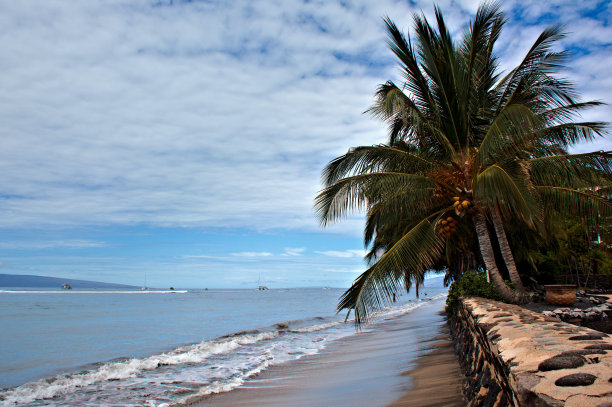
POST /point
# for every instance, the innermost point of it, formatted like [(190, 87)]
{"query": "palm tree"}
[(467, 149)]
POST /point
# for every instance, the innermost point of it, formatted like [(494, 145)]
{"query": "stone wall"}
[(515, 357)]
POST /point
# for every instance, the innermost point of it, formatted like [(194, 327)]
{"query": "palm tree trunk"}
[(486, 250), (506, 252)]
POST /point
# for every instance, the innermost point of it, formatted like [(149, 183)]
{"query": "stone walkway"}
[(555, 363)]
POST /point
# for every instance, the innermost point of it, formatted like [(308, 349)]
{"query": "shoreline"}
[(437, 378), (397, 361)]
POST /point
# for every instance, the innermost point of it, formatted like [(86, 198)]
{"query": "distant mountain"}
[(16, 280)]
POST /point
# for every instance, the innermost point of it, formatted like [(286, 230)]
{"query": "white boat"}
[(66, 286), (260, 287)]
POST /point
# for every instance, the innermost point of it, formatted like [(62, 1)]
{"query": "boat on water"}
[(260, 287), (66, 286)]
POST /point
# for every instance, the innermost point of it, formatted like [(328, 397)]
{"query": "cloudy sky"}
[(185, 139)]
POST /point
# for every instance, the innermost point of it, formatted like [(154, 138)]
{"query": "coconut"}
[(465, 204)]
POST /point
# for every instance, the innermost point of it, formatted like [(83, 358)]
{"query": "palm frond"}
[(507, 189), (416, 83), (572, 170), (392, 215), (567, 112), (440, 62), (508, 132), (510, 84), (481, 63), (410, 256), (569, 134), (356, 192), (364, 159), (584, 204)]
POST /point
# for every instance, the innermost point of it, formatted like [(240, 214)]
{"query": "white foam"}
[(235, 358), (405, 308), (319, 327), (222, 386), (47, 388), (237, 381)]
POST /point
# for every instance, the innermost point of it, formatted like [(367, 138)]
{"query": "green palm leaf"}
[(458, 132), (585, 204), (374, 159), (354, 193), (508, 132), (507, 189), (408, 258), (572, 170)]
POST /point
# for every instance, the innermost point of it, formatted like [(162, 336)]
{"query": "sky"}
[(183, 141)]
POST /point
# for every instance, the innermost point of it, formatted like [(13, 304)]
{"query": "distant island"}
[(25, 280)]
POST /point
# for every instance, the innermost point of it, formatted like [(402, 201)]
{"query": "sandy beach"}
[(402, 361), (437, 378)]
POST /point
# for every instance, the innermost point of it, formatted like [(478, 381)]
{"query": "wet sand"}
[(437, 379), (385, 366)]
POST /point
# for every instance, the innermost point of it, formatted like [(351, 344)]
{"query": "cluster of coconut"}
[(447, 226), (460, 205)]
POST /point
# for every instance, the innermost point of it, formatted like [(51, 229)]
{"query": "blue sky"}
[(185, 140)]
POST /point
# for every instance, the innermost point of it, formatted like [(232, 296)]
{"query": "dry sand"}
[(375, 369)]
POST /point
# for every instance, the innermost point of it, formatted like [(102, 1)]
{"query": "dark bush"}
[(470, 284)]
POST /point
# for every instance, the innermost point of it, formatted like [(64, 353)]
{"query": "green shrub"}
[(470, 284)]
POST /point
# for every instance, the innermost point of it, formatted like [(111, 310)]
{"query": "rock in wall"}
[(515, 357)]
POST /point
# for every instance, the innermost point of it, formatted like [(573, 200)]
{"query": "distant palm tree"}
[(467, 149)]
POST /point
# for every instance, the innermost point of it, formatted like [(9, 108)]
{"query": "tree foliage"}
[(466, 146), (471, 283)]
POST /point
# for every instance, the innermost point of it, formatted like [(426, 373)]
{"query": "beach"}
[(406, 360), (437, 379), (161, 349)]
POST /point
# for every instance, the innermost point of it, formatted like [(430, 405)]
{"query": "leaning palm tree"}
[(467, 151)]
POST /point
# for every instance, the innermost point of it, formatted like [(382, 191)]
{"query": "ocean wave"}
[(234, 358), (315, 328), (62, 384), (221, 386)]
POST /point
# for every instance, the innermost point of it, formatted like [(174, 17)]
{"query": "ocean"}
[(156, 348)]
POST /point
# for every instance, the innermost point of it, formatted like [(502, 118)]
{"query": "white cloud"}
[(343, 253), (351, 271), (252, 254), (51, 244), (202, 256), (294, 251), (210, 114)]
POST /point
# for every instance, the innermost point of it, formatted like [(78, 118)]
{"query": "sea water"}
[(101, 347)]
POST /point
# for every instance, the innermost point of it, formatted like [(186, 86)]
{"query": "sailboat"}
[(144, 287), (260, 287)]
